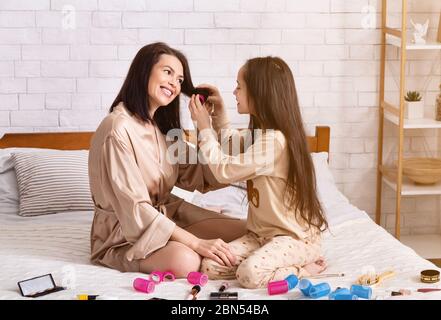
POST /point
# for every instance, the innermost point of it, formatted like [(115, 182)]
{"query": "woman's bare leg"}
[(225, 229), (175, 257), (180, 259)]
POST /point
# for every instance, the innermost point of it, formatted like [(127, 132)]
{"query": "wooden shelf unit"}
[(395, 114)]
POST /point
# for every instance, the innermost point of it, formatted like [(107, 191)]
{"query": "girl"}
[(285, 218), (139, 226)]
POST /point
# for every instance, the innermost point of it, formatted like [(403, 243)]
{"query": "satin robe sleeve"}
[(259, 159), (197, 176), (142, 225)]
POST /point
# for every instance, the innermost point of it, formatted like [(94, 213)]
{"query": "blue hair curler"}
[(338, 291), (292, 281), (364, 292), (345, 297), (305, 285), (319, 290)]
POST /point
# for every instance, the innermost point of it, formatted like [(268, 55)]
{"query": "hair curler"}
[(338, 291), (319, 290), (292, 281), (203, 94), (282, 286), (345, 297), (278, 287), (156, 276), (364, 292), (144, 285), (168, 276), (195, 277), (304, 286)]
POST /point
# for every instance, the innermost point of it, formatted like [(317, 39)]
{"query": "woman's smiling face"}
[(165, 81)]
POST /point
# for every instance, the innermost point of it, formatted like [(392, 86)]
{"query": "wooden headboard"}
[(81, 140)]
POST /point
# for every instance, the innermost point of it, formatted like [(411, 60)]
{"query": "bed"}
[(59, 243)]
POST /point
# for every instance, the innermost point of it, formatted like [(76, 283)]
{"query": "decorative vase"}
[(414, 109)]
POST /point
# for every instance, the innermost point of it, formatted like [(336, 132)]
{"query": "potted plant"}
[(414, 105)]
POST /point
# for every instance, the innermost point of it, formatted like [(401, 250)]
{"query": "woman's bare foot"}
[(316, 267)]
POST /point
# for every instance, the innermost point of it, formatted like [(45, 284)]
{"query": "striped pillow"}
[(52, 181)]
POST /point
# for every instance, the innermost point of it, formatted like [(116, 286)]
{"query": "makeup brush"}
[(327, 275)]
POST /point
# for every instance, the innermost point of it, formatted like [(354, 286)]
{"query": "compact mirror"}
[(38, 286)]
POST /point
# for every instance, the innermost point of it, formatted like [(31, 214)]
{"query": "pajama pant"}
[(260, 260)]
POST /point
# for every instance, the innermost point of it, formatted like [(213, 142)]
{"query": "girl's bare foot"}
[(316, 267)]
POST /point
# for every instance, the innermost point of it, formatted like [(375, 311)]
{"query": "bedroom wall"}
[(59, 73)]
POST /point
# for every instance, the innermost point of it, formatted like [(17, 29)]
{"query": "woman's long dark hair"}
[(273, 96), (134, 94)]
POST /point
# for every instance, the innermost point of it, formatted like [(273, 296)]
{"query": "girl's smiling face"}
[(243, 106), (165, 81)]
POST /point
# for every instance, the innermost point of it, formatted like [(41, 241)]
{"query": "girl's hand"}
[(215, 249), (214, 98), (199, 113)]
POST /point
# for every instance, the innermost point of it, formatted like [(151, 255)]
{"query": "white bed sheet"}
[(59, 244)]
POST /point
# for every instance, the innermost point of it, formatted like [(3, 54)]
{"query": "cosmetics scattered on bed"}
[(361, 290)]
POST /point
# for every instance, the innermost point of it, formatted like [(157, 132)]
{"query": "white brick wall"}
[(65, 79)]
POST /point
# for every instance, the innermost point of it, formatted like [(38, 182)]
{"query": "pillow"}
[(335, 205), (8, 189), (9, 197), (52, 181), (326, 188), (231, 200)]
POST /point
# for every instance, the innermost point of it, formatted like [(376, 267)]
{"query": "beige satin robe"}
[(130, 182)]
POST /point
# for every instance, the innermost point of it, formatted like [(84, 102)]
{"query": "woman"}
[(139, 226)]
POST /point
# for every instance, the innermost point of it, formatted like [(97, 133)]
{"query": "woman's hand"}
[(199, 113), (215, 249), (214, 98)]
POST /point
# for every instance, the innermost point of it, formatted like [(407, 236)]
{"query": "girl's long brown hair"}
[(272, 95)]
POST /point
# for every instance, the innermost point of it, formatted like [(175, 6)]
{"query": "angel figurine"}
[(420, 31)]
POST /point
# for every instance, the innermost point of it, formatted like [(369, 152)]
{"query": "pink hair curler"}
[(143, 285), (197, 278), (157, 276), (168, 276), (278, 287), (202, 98)]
